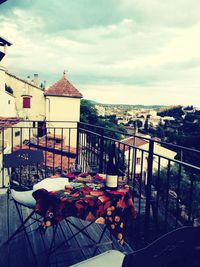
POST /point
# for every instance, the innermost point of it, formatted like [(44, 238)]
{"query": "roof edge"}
[(4, 41), (49, 94), (23, 80)]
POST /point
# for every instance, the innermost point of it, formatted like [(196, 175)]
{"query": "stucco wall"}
[(37, 110), (143, 157), (7, 105), (2, 90), (64, 109)]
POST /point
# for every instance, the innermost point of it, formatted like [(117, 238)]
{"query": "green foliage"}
[(88, 112), (185, 184), (183, 131), (146, 124), (175, 112), (89, 115), (135, 123), (188, 108)]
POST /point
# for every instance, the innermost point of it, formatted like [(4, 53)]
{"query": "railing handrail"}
[(151, 193), (144, 138)]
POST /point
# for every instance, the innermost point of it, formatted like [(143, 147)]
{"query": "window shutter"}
[(26, 102)]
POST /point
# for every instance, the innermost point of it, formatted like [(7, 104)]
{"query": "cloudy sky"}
[(114, 51)]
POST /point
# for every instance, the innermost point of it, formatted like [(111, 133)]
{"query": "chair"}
[(177, 248), (23, 171)]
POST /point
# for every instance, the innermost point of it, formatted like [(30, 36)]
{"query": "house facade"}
[(136, 150), (25, 99)]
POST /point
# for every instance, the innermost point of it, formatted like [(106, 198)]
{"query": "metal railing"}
[(57, 140), (166, 188)]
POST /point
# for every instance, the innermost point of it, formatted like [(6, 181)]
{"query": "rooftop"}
[(23, 80), (63, 88), (132, 141), (3, 41), (9, 121), (51, 158)]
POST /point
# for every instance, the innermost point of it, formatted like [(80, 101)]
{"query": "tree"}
[(88, 112), (89, 115), (146, 124), (175, 112), (180, 183)]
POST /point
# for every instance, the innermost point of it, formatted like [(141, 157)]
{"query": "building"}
[(20, 98), (7, 99), (135, 149), (63, 104)]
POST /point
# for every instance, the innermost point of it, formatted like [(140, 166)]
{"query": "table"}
[(88, 200)]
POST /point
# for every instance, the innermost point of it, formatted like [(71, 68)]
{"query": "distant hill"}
[(94, 102), (129, 106), (134, 106)]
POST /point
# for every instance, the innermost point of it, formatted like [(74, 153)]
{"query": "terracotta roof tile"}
[(63, 88), (51, 143), (6, 122), (132, 141), (51, 159)]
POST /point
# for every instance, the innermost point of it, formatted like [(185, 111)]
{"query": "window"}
[(137, 161), (26, 102), (8, 101), (17, 133)]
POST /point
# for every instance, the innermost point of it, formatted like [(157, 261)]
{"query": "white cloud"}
[(147, 49)]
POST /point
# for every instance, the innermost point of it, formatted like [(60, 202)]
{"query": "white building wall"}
[(65, 109), (11, 137), (136, 155), (3, 95), (20, 87), (7, 106)]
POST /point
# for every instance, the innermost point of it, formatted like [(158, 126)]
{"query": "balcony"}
[(165, 186)]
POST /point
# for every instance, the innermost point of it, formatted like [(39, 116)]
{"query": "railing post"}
[(101, 151), (2, 153), (77, 143), (148, 190)]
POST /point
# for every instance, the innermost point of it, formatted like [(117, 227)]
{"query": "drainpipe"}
[(49, 109)]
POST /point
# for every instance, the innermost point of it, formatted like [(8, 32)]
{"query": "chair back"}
[(21, 162), (174, 248), (22, 157)]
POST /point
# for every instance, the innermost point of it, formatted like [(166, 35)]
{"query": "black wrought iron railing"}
[(56, 139), (165, 183), (166, 186)]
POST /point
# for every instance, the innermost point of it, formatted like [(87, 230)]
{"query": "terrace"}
[(165, 189)]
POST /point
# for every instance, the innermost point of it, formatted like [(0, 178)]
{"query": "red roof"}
[(51, 159), (132, 141), (9, 121), (63, 88)]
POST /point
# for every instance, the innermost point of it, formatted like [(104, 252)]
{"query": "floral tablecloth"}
[(87, 201)]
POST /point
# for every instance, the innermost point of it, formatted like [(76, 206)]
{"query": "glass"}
[(76, 169), (93, 170)]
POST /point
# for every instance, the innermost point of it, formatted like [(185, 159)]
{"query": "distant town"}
[(137, 115)]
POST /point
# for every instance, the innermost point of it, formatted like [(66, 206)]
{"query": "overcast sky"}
[(114, 51)]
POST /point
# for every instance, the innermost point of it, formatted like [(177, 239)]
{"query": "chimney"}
[(36, 80)]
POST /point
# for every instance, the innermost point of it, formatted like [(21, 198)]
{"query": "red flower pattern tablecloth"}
[(87, 201)]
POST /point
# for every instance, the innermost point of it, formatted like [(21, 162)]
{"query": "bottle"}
[(112, 171)]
